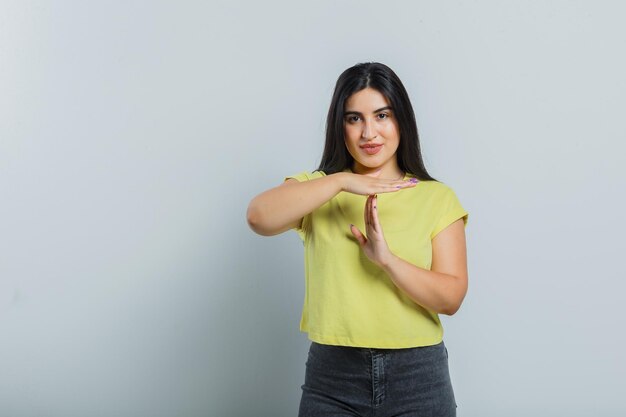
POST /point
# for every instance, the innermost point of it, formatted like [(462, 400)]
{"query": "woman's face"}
[(371, 133)]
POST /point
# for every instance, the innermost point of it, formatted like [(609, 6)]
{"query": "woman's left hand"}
[(373, 243)]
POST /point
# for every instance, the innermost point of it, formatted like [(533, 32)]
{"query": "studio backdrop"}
[(133, 135)]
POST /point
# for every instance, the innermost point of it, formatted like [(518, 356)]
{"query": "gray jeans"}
[(366, 382)]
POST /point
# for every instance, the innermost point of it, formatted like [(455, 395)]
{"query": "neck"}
[(386, 172)]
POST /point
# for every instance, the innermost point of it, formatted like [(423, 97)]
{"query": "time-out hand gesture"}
[(373, 243)]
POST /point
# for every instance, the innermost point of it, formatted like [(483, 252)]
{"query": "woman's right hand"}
[(369, 184)]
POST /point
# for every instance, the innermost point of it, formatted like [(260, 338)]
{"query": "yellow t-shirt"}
[(349, 301)]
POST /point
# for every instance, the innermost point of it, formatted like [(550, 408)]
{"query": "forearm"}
[(280, 208), (436, 291)]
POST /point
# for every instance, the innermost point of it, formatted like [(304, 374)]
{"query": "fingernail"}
[(414, 180)]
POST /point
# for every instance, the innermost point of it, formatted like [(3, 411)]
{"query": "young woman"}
[(384, 256)]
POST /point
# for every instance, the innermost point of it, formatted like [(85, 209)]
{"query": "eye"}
[(352, 118), (383, 116)]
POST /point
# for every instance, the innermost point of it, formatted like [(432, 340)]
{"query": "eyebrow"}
[(360, 114)]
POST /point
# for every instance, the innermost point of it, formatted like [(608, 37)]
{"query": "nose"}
[(369, 130)]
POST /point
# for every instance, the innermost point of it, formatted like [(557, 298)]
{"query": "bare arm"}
[(440, 289), (443, 287), (283, 207)]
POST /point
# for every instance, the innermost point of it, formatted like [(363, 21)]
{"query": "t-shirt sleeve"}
[(306, 220), (301, 176), (450, 210)]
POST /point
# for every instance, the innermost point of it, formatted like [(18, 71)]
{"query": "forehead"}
[(366, 100)]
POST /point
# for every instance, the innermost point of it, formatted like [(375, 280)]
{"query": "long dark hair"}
[(380, 77)]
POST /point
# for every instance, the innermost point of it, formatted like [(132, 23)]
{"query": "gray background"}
[(134, 134)]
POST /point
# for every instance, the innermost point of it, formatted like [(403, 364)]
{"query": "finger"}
[(411, 182), (370, 214), (373, 213), (397, 185), (358, 235), (366, 216), (375, 221)]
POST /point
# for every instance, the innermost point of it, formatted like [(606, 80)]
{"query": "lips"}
[(372, 148)]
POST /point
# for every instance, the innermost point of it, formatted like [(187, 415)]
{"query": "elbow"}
[(453, 303), (452, 306), (255, 221), (253, 218), (450, 310)]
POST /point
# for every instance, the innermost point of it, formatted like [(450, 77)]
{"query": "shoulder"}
[(436, 188), (437, 195), (306, 175)]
